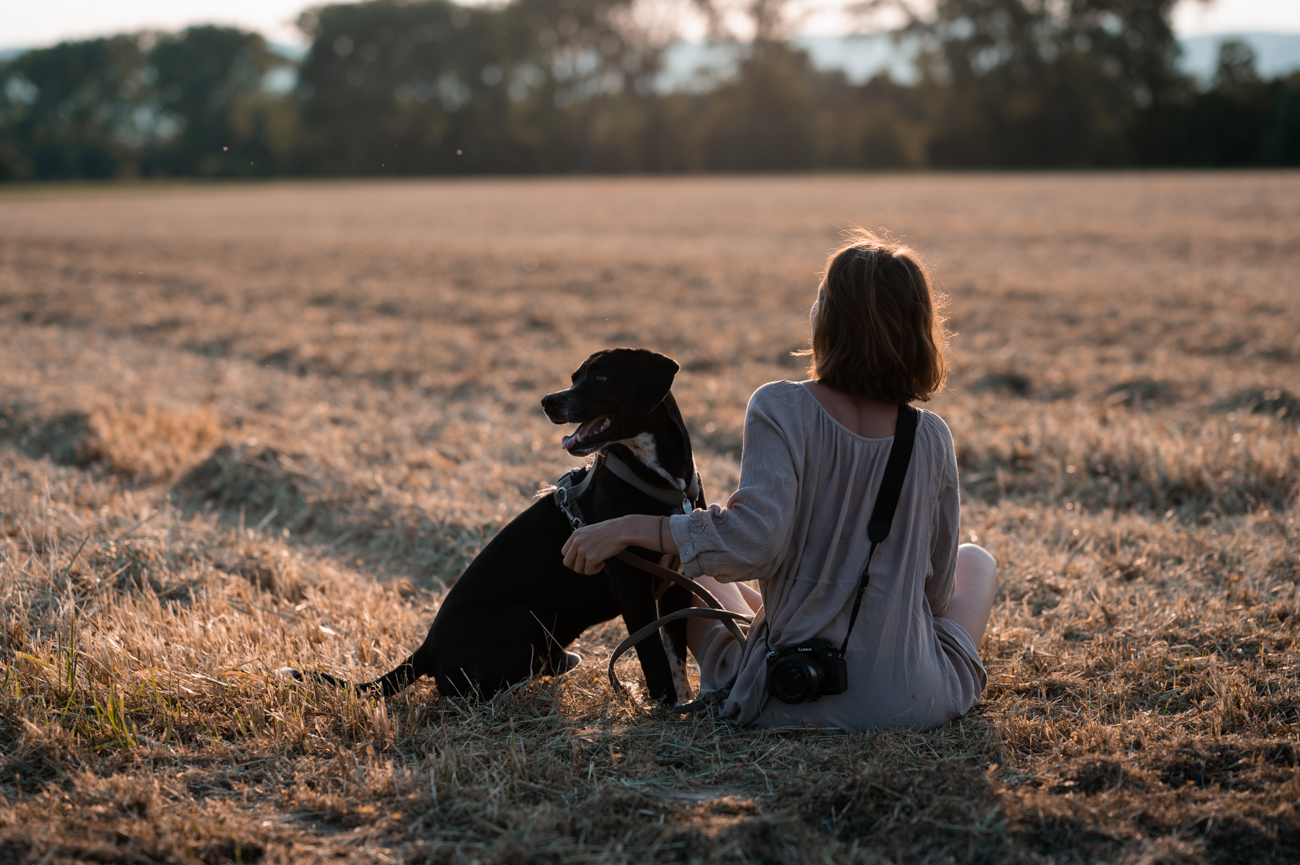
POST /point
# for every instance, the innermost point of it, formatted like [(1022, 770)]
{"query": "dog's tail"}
[(388, 684), (402, 676), (397, 679)]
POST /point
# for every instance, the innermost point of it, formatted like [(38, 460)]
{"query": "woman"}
[(814, 453)]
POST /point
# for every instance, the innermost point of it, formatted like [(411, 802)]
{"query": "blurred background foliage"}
[(433, 87)]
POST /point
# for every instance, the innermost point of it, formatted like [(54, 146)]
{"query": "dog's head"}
[(612, 396)]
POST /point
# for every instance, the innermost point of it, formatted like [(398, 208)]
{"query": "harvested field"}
[(245, 427)]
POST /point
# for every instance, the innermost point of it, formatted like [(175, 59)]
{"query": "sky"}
[(36, 23)]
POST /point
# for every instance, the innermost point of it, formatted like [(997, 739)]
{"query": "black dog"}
[(517, 608)]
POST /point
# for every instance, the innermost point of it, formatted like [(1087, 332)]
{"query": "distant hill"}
[(692, 65), (696, 66), (1276, 53)]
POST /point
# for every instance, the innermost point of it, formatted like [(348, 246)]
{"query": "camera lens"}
[(794, 679)]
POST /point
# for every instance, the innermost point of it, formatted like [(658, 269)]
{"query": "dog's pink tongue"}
[(582, 432)]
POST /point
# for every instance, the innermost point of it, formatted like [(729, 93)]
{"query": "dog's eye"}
[(600, 378)]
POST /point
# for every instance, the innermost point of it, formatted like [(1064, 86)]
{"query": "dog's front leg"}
[(634, 592), (674, 638)]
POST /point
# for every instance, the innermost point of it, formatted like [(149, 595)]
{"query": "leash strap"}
[(727, 617), (717, 611), (681, 580), (891, 487)]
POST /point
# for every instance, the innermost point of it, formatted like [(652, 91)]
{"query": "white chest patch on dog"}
[(643, 448)]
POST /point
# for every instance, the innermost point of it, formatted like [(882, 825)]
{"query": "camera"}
[(806, 671)]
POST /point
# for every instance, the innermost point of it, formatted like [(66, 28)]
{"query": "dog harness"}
[(566, 493)]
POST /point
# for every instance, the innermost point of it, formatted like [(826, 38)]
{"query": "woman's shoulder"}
[(778, 396), (791, 401), (931, 424), (779, 393), (936, 438), (781, 404)]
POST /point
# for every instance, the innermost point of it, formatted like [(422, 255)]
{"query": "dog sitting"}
[(516, 609)]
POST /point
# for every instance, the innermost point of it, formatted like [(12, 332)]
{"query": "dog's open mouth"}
[(586, 431)]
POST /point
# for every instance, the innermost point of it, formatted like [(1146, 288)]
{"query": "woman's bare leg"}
[(736, 597), (976, 582), (752, 597)]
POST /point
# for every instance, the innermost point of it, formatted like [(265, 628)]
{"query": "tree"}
[(1280, 141), (1227, 122), (767, 118), (1035, 83), (211, 80), (142, 104), (1239, 120), (79, 109), (431, 86)]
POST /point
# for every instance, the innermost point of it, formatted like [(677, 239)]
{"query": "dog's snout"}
[(553, 406)]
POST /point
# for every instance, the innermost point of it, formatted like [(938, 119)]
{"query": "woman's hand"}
[(587, 548)]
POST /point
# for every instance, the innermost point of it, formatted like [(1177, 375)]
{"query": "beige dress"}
[(798, 524)]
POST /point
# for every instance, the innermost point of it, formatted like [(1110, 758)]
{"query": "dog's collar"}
[(675, 498), (566, 493)]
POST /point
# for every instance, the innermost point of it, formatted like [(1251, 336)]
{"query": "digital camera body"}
[(807, 671)]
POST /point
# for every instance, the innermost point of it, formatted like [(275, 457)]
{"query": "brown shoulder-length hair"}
[(876, 327)]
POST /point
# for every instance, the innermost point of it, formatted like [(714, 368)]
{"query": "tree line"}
[(433, 87)]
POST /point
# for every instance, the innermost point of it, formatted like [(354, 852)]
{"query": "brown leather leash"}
[(712, 698), (691, 586)]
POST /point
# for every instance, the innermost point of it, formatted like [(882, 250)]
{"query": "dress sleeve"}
[(947, 531), (746, 538)]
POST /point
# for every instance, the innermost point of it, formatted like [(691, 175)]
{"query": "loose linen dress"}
[(798, 525)]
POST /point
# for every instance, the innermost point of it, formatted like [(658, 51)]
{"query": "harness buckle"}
[(566, 507)]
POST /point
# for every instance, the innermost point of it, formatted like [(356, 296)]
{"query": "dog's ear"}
[(652, 377)]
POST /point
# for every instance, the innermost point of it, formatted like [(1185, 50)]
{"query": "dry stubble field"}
[(244, 427)]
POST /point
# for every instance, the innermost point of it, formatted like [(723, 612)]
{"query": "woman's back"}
[(869, 418), (810, 486)]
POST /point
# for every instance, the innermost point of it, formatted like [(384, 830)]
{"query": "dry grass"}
[(250, 427)]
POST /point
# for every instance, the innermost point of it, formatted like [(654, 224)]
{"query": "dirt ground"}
[(245, 427)]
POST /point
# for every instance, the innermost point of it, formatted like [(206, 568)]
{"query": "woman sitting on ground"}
[(814, 455)]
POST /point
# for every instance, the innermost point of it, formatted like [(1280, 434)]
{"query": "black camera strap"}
[(891, 487)]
